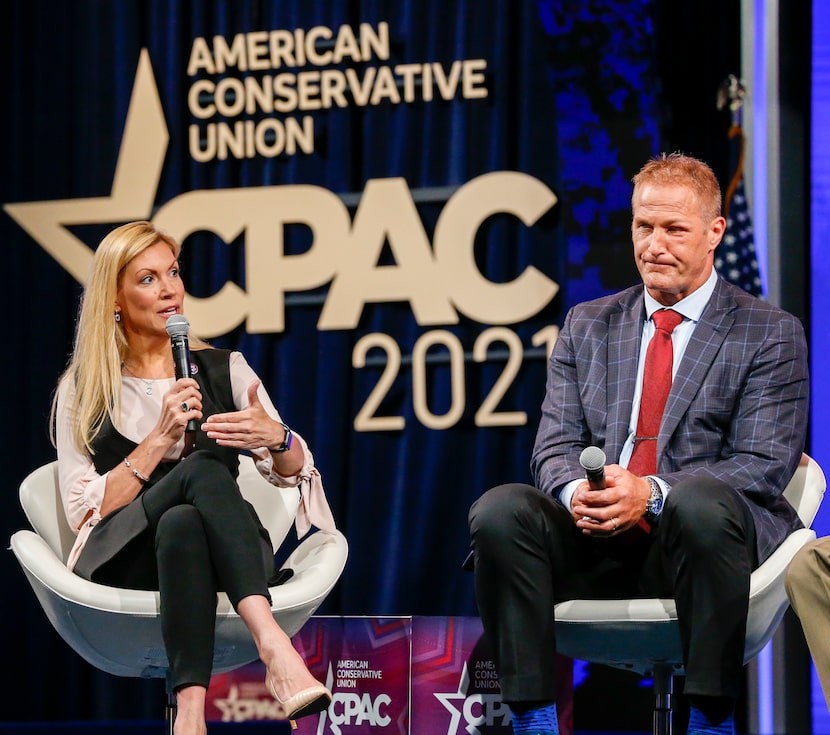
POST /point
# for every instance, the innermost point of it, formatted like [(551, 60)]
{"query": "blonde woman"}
[(146, 516)]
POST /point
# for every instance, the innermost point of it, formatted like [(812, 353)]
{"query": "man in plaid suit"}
[(696, 525)]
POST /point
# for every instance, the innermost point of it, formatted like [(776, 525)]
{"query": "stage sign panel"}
[(365, 662), (406, 675)]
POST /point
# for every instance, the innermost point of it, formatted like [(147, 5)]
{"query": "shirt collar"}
[(690, 307)]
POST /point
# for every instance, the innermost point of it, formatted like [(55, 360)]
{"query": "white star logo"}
[(448, 699)]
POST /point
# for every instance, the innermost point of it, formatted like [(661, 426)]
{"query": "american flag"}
[(735, 257)]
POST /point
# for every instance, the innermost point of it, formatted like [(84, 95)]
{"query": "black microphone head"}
[(591, 459), (177, 325)]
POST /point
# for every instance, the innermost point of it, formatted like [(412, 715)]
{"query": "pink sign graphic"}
[(401, 676), (455, 685), (365, 662), (240, 696)]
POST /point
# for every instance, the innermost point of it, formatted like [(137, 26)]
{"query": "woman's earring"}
[(118, 316)]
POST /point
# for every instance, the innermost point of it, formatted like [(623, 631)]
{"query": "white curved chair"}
[(119, 630), (641, 635)]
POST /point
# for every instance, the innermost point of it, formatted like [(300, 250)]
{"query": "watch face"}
[(655, 502)]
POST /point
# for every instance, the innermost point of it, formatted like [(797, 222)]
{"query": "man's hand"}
[(616, 508)]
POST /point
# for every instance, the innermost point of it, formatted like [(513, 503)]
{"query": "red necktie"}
[(656, 385)]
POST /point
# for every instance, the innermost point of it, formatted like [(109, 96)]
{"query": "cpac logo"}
[(239, 709), (354, 709), (477, 710), (439, 281)]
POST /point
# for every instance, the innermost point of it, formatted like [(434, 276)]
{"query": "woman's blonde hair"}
[(100, 346)]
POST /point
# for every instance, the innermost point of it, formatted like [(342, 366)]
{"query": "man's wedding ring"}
[(185, 407), (614, 525)]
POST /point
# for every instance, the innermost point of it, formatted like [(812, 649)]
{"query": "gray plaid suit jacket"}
[(737, 410)]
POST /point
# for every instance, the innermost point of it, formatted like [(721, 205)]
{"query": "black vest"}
[(214, 379), (213, 375)]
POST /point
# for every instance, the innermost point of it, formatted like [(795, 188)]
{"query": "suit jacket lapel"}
[(623, 352), (704, 345)]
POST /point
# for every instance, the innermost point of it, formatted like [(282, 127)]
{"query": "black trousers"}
[(201, 536), (528, 555)]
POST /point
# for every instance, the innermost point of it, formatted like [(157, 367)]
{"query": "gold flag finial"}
[(732, 92)]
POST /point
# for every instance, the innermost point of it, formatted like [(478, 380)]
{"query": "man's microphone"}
[(178, 327), (592, 460)]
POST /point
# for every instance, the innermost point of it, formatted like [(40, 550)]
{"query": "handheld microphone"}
[(592, 460), (178, 327)]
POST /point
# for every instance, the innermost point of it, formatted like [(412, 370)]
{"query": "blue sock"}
[(700, 724), (539, 721)]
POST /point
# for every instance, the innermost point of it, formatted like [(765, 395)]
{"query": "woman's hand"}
[(124, 482), (173, 420), (250, 428)]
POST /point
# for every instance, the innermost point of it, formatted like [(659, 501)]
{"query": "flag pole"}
[(735, 257), (732, 92)]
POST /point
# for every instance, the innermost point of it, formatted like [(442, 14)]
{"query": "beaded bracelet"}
[(132, 469)]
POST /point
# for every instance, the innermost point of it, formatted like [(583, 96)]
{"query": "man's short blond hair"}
[(677, 169)]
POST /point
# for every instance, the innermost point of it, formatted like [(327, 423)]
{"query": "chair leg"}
[(170, 710), (661, 724)]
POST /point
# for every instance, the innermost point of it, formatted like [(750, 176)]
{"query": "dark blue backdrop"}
[(577, 97)]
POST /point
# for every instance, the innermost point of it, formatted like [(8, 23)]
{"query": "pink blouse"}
[(82, 488)]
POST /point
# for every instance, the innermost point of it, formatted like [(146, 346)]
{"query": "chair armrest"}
[(772, 570), (47, 573), (317, 562)]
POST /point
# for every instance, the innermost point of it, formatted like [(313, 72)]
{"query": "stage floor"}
[(148, 727), (160, 728)]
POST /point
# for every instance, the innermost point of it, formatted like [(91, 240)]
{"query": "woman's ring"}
[(614, 524), (185, 407)]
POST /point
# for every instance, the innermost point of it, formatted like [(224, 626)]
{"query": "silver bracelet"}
[(132, 469)]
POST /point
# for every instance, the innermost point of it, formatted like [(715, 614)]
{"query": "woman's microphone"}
[(178, 327)]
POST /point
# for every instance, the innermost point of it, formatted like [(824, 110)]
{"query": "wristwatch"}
[(654, 504), (285, 445)]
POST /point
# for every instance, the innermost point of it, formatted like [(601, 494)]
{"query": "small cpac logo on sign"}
[(475, 708)]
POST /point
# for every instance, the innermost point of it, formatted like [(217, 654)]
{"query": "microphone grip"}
[(181, 362), (181, 356), (596, 478)]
